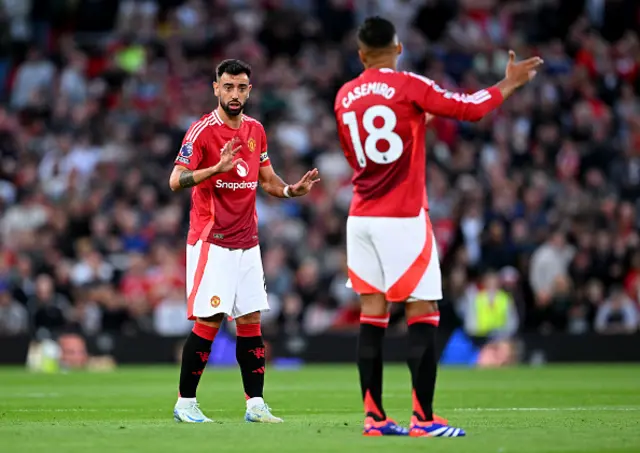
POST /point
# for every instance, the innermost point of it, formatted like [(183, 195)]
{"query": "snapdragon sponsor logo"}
[(244, 185)]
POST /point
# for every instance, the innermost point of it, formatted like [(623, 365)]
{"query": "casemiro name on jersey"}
[(366, 89)]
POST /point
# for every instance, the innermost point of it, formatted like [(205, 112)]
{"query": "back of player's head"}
[(376, 33), (233, 67)]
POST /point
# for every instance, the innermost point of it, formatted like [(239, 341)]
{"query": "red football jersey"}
[(381, 125), (223, 208)]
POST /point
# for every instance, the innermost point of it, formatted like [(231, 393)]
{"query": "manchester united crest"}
[(215, 301), (251, 144)]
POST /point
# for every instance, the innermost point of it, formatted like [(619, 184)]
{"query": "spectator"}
[(168, 316), (73, 351), (549, 262), (115, 318), (489, 311), (34, 81), (583, 312), (618, 314), (318, 318), (278, 277), (92, 268), (73, 85), (496, 252), (553, 312), (491, 319), (50, 309), (632, 279), (24, 218), (14, 319)]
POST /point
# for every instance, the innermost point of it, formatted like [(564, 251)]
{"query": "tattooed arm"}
[(183, 178)]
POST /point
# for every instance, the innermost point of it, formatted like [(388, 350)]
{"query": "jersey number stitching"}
[(375, 134)]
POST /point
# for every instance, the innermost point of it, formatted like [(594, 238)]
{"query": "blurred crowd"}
[(539, 200)]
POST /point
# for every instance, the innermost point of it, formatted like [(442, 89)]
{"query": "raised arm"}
[(471, 107), (275, 186), (183, 177)]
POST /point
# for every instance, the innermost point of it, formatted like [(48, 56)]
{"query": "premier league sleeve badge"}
[(187, 149)]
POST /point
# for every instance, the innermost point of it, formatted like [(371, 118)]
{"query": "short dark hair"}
[(376, 32), (233, 67)]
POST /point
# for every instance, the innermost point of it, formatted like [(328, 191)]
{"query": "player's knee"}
[(420, 308), (249, 325), (212, 321), (251, 318), (422, 312), (373, 305)]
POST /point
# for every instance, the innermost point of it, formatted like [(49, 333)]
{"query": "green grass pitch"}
[(519, 410)]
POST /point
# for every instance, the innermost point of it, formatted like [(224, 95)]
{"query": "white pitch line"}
[(548, 409), (32, 395), (71, 409)]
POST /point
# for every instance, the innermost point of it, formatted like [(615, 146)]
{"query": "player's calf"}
[(195, 356), (251, 357), (423, 318), (374, 320), (423, 321)]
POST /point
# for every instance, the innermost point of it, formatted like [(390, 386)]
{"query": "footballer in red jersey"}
[(223, 158), (391, 251)]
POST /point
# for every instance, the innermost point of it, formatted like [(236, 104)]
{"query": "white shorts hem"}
[(426, 299), (259, 310)]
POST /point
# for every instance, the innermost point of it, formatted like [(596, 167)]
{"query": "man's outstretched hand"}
[(305, 184), (518, 74), (523, 71), (227, 155)]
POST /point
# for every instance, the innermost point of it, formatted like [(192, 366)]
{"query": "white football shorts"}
[(395, 256), (221, 280)]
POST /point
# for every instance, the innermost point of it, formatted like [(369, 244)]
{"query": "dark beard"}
[(232, 112)]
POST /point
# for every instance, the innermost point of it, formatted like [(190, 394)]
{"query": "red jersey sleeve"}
[(430, 98), (191, 151), (264, 156)]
